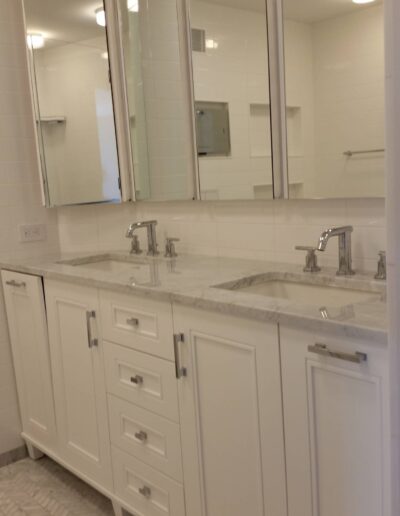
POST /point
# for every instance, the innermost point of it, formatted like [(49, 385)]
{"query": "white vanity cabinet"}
[(336, 414), (78, 378), (230, 415), (26, 317)]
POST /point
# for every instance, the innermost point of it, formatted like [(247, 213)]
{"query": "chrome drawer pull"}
[(141, 436), (145, 491), (14, 283), (322, 349), (133, 321), (91, 314), (138, 380)]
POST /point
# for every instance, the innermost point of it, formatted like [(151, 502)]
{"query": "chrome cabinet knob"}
[(133, 321), (145, 491), (141, 436), (137, 380)]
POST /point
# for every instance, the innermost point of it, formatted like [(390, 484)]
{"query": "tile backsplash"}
[(263, 230)]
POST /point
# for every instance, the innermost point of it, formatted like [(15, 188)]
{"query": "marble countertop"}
[(192, 280)]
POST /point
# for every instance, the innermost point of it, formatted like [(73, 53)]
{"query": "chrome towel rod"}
[(351, 153)]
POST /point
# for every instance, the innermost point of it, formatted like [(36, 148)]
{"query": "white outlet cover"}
[(33, 232)]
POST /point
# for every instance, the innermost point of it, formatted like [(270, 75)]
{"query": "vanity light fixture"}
[(363, 1), (100, 16), (35, 40), (133, 6)]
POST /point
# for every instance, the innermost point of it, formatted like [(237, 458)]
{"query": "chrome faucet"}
[(344, 235), (150, 225)]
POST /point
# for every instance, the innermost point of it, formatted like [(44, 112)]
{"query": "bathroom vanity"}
[(201, 386)]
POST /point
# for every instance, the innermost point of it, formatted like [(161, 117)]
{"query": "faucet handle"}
[(381, 273), (135, 245), (170, 247), (311, 258)]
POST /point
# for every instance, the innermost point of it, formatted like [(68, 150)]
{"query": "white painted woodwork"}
[(231, 416), (78, 377), (165, 496), (141, 324), (26, 317), (336, 427), (161, 447), (158, 390)]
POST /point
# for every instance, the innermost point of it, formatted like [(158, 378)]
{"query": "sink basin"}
[(113, 266), (304, 293)]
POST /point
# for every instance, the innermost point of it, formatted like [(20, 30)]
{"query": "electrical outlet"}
[(32, 232)]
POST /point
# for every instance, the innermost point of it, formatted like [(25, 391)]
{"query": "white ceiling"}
[(65, 20), (301, 10)]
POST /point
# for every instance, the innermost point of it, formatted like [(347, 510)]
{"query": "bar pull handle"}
[(145, 491), (141, 436), (19, 284), (323, 350), (180, 371), (133, 321), (137, 380), (92, 342)]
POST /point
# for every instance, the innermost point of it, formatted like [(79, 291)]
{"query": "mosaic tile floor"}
[(44, 488)]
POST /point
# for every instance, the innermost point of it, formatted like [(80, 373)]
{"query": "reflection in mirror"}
[(231, 91), (73, 102), (334, 59), (159, 120)]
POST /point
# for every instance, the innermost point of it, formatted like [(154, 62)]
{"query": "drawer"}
[(145, 491), (141, 324), (142, 379), (150, 438)]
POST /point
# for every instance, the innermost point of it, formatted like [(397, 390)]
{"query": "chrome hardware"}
[(133, 321), (19, 284), (180, 371), (322, 349), (150, 225), (145, 491), (92, 342), (350, 153), (311, 258), (141, 436), (344, 235), (170, 251), (135, 245), (381, 274), (137, 380)]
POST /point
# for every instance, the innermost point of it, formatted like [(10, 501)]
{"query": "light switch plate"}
[(32, 232)]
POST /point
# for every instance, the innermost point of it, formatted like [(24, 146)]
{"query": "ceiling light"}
[(35, 40), (133, 6), (100, 17), (363, 1)]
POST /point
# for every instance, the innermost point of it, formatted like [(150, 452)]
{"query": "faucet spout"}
[(344, 236)]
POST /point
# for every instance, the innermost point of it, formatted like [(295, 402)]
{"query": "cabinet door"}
[(28, 332), (336, 426), (231, 415), (79, 385)]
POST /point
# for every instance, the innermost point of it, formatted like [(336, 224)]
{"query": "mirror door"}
[(69, 65), (334, 64), (231, 98)]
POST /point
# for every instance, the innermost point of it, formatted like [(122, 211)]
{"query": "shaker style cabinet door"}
[(79, 385), (231, 415), (30, 348), (336, 425)]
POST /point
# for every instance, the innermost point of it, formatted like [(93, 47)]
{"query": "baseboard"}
[(13, 456)]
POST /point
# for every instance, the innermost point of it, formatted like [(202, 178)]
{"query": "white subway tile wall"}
[(20, 199), (266, 230)]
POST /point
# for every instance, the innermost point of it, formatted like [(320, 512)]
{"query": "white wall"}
[(20, 201), (250, 229)]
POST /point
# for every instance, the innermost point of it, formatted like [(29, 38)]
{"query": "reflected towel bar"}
[(351, 153)]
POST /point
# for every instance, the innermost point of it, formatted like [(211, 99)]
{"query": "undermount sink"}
[(303, 293)]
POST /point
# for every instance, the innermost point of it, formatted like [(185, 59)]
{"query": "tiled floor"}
[(44, 488)]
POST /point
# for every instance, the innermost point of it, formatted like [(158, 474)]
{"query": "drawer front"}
[(141, 324), (145, 491), (150, 438), (142, 379)]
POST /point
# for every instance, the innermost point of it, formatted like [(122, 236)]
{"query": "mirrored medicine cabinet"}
[(158, 100)]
